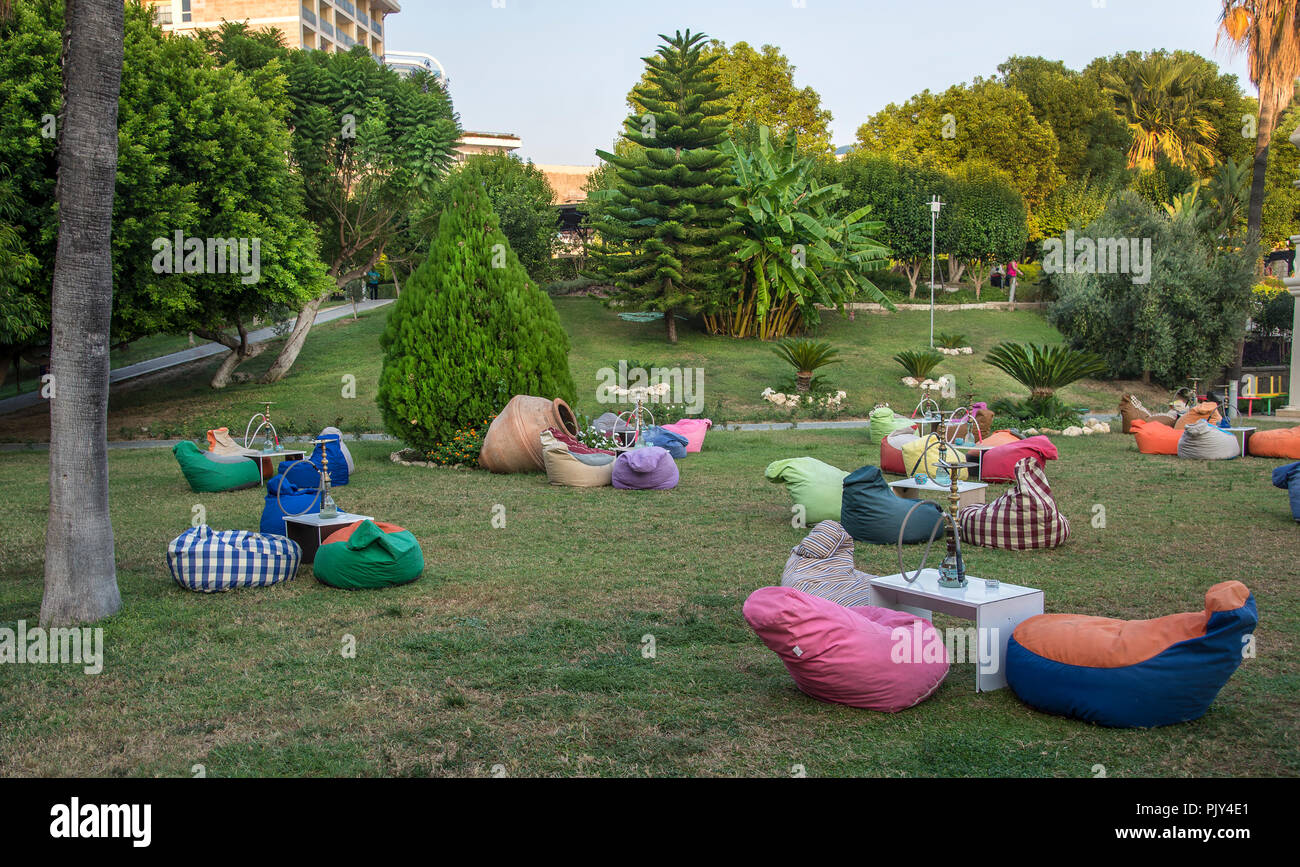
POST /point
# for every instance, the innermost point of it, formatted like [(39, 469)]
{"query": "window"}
[(185, 11)]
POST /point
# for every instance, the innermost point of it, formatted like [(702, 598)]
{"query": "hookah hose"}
[(925, 555)]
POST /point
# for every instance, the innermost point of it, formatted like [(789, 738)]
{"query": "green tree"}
[(988, 220), (985, 121), (469, 331), (524, 203), (666, 229), (1182, 317)]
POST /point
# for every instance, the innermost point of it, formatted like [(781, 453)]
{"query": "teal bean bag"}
[(369, 556), (816, 486), (872, 512), (208, 473)]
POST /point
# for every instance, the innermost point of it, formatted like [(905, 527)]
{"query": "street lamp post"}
[(935, 206)]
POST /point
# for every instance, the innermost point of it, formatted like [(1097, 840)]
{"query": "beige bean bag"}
[(1203, 441), (568, 470), (822, 564)]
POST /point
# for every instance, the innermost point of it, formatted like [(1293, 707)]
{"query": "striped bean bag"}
[(1024, 517), (206, 561), (822, 565)]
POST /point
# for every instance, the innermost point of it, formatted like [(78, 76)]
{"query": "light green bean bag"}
[(817, 486), (209, 473), (885, 421)]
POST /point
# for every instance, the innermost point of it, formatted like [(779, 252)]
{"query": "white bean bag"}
[(206, 561), (1203, 441), (347, 455), (566, 469)]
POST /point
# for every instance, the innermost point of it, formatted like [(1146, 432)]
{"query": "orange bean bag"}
[(1207, 411), (1156, 439), (1000, 438), (1280, 443)]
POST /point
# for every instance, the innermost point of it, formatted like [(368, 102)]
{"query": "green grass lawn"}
[(180, 403), (521, 646)]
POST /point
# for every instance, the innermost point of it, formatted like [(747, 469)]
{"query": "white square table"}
[(1243, 435), (311, 530), (267, 460), (975, 454), (968, 493), (996, 613)]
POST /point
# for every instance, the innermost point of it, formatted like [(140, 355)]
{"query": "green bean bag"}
[(369, 556), (817, 486), (885, 421), (209, 473)]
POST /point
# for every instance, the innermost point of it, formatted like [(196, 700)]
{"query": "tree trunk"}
[(80, 573), (670, 325), (1268, 112), (803, 381), (301, 328), (955, 269), (913, 272)]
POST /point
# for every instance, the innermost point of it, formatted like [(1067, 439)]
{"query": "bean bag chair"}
[(220, 443), (284, 497), (1280, 443), (206, 561), (1132, 673), (566, 469), (891, 450), (872, 512), (1000, 438), (822, 565), (1288, 479), (1206, 411), (609, 424), (694, 430), (333, 445), (1156, 439), (999, 464), (1130, 410), (861, 657), (211, 473), (645, 469), (817, 486), (983, 418), (922, 456), (1168, 419), (1202, 441), (369, 556), (343, 447), (673, 443), (1024, 517), (573, 444), (884, 421)]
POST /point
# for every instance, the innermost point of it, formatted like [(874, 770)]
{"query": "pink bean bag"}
[(999, 464), (693, 429), (864, 657)]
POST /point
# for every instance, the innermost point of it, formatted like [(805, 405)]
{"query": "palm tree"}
[(80, 575), (806, 357), (1162, 100), (1228, 191), (1269, 32)]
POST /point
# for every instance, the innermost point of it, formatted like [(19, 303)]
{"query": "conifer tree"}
[(666, 231), (470, 331)]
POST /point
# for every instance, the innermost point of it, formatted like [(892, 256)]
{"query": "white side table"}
[(996, 614), (975, 454), (969, 493), (1243, 435), (311, 530), (267, 460)]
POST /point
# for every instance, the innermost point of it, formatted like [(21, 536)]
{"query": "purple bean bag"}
[(645, 469)]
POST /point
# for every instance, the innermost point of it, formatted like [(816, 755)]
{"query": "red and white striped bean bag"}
[(1024, 517)]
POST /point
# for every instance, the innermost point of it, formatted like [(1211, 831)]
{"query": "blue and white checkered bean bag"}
[(206, 561)]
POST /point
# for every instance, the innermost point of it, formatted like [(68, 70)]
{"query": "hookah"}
[(271, 442), (328, 508), (635, 423), (927, 414), (952, 571)]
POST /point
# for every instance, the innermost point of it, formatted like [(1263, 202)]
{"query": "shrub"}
[(919, 364), (806, 356), (469, 332), (1044, 369), (951, 341), (462, 448)]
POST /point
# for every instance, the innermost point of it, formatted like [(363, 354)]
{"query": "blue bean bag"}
[(283, 497), (673, 443), (1132, 673), (871, 512), (333, 445), (1288, 479), (206, 561)]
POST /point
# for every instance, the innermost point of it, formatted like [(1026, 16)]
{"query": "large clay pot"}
[(513, 443)]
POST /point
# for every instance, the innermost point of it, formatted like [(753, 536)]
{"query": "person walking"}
[(372, 284)]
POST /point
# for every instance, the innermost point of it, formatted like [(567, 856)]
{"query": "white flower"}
[(966, 350)]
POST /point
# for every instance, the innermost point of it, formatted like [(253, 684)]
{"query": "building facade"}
[(325, 25)]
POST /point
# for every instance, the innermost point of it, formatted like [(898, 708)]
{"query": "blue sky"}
[(556, 72)]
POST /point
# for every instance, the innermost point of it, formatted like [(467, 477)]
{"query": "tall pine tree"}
[(666, 230), (469, 331)]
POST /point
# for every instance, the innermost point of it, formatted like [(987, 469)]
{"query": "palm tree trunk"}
[(670, 323), (80, 573), (1268, 113)]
